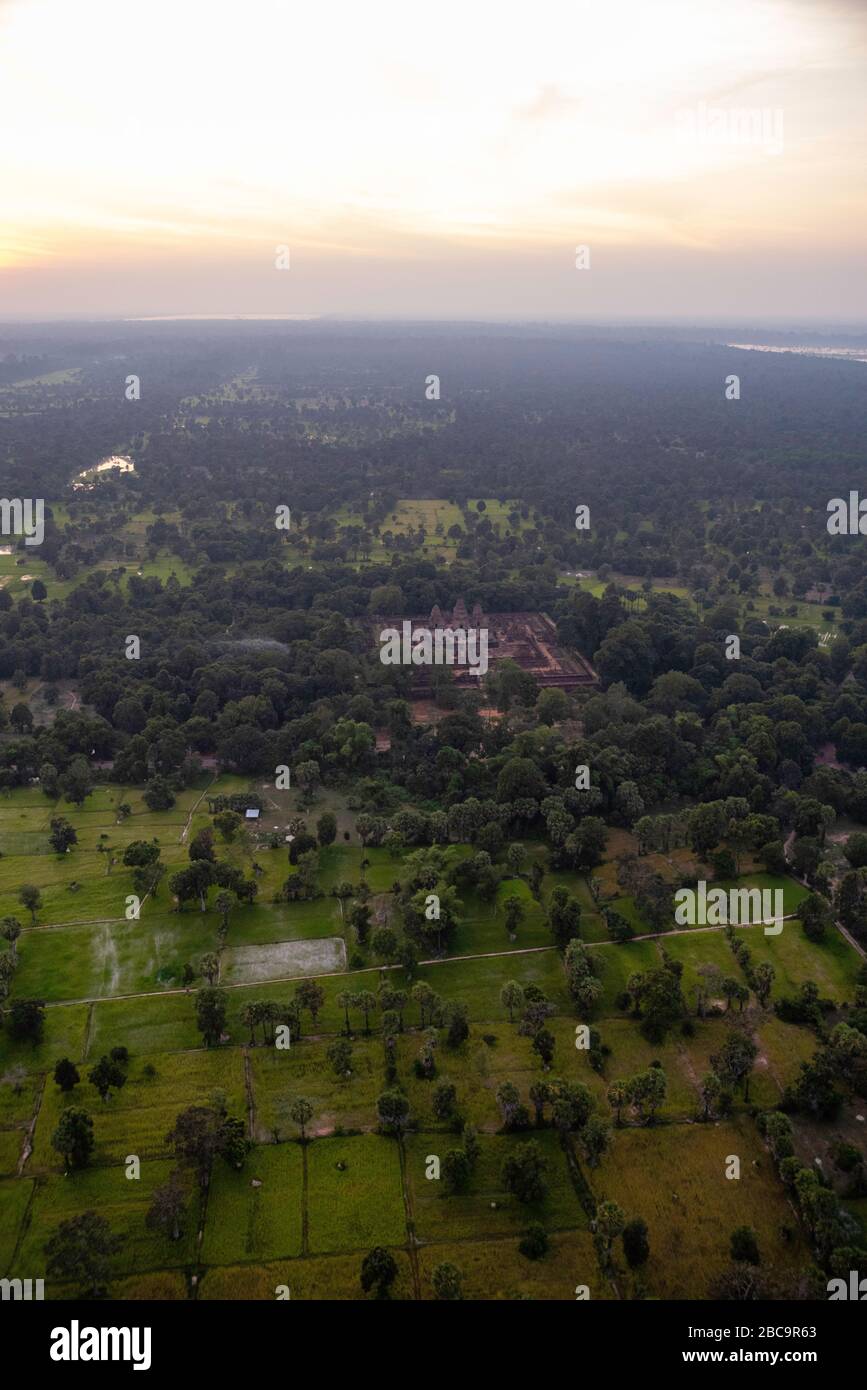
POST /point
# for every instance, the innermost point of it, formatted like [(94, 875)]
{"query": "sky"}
[(434, 161)]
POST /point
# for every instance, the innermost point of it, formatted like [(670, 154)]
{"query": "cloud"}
[(551, 103), (378, 137)]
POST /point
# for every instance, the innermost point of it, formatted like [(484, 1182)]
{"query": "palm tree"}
[(617, 1097), (512, 997), (270, 1013), (210, 967), (249, 1020), (301, 1111), (343, 1001), (422, 994), (366, 1002)]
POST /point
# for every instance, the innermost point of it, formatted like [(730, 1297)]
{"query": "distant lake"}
[(848, 354), (119, 462)]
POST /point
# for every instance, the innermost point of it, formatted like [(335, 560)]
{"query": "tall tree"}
[(211, 1013), (378, 1271), (447, 1281), (66, 1074), (168, 1208), (73, 1137), (81, 1250), (301, 1113), (106, 1076)]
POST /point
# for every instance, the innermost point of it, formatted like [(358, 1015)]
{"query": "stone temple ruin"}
[(527, 639)]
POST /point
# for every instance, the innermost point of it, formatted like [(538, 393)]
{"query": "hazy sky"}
[(439, 160)]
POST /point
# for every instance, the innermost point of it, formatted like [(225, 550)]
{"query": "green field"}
[(137, 1118), (354, 1194), (676, 1177), (487, 1209), (257, 1213), (302, 1215)]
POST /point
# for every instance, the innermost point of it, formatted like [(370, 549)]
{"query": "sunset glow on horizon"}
[(417, 160)]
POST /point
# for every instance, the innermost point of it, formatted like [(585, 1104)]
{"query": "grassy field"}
[(832, 962), (496, 1269), (486, 1208), (11, 1144), (354, 1197), (302, 1215), (436, 516), (65, 1036), (675, 1176), (137, 1118), (256, 1214), (280, 1077), (15, 1197), (122, 1201), (323, 1277), (803, 614)]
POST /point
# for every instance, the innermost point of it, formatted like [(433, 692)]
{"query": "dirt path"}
[(27, 1147), (305, 1221), (293, 979), (186, 830), (687, 1063), (248, 1087), (88, 1034), (61, 926), (850, 938), (200, 1235), (412, 1243), (83, 922), (690, 931), (379, 969), (763, 1063), (270, 800)]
